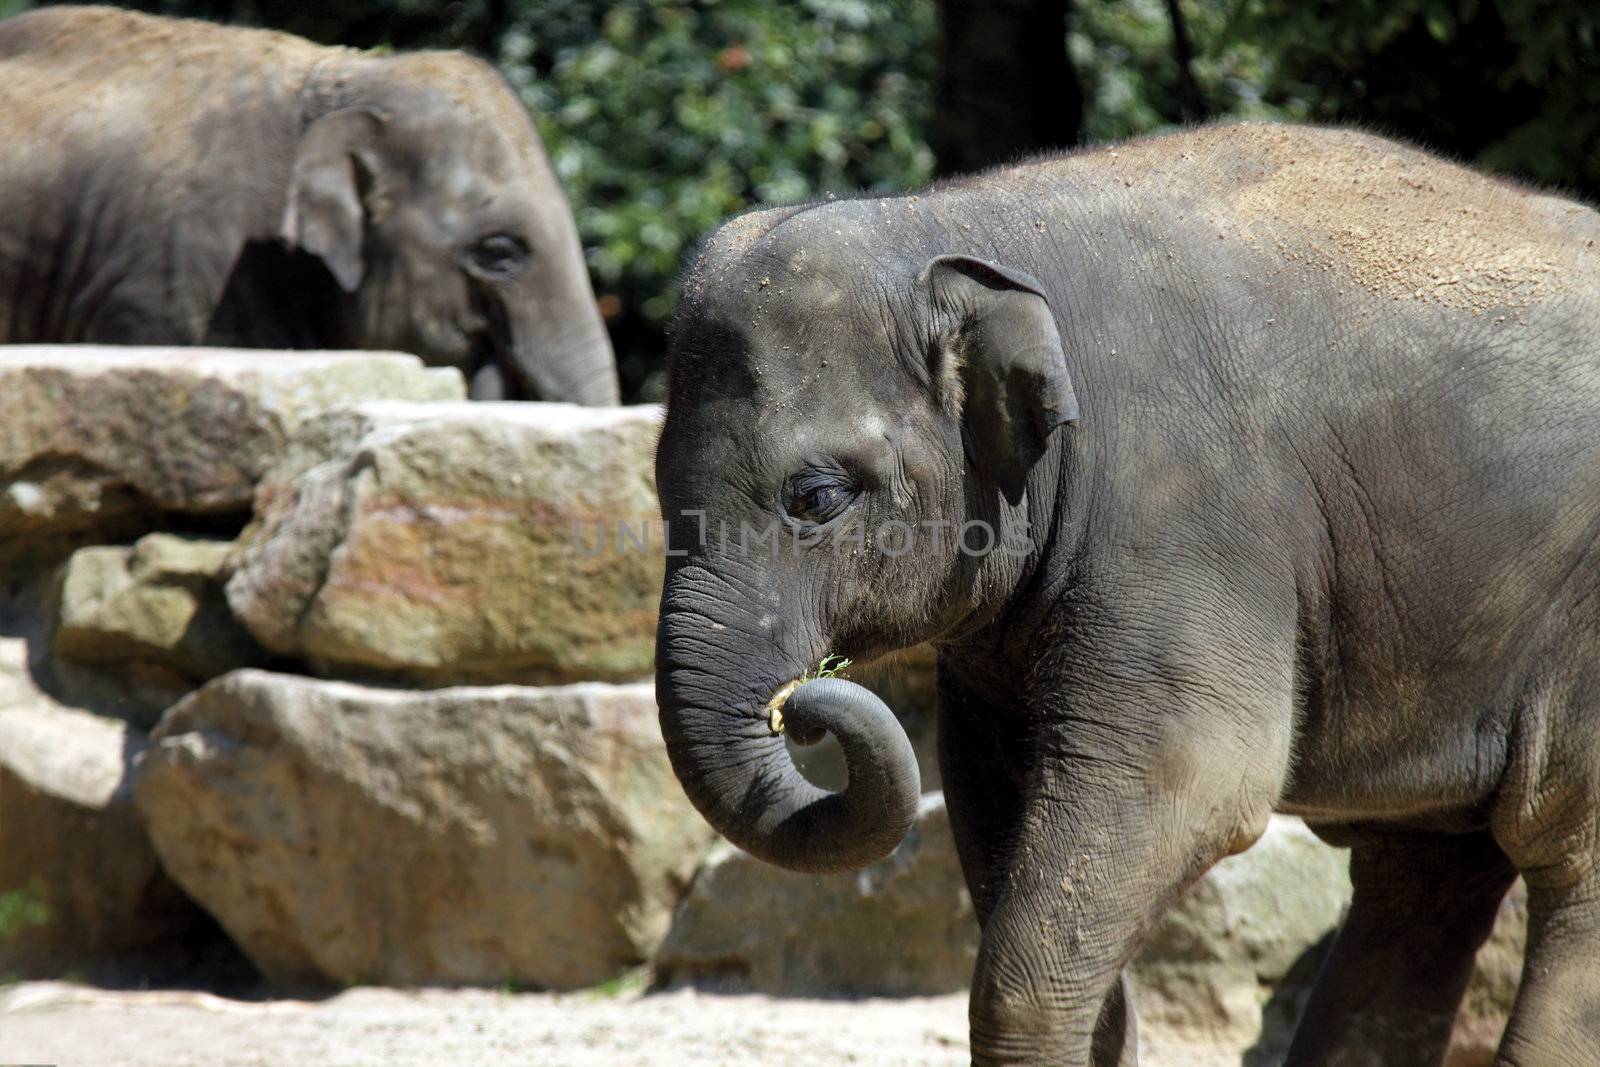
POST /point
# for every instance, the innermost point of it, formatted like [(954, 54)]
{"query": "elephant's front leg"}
[(985, 762), (1125, 808)]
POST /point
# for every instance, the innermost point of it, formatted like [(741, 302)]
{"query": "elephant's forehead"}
[(796, 297), (468, 111), (469, 83), (800, 326), (788, 305), (840, 244)]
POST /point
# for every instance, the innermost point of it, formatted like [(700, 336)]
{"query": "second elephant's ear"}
[(325, 213), (997, 360)]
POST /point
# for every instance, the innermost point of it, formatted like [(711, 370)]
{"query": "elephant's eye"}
[(818, 496), (498, 257)]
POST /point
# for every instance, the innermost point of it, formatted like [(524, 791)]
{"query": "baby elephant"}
[(1241, 470), (175, 182)]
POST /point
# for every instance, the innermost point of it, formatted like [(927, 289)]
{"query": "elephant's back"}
[(110, 38), (1337, 208), (142, 151), (96, 78)]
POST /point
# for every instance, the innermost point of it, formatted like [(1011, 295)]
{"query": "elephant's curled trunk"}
[(738, 773)]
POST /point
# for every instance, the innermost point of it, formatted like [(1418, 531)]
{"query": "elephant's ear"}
[(332, 168), (998, 363)]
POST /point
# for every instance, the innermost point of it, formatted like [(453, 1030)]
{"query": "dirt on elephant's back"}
[(1389, 218)]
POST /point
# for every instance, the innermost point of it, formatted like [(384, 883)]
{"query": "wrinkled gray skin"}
[(174, 182), (1304, 430)]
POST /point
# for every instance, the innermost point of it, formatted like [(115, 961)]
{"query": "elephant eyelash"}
[(497, 257), (818, 497)]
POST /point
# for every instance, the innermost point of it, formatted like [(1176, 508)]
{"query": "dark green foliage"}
[(1124, 54), (664, 117), (22, 907), (475, 25), (1513, 85)]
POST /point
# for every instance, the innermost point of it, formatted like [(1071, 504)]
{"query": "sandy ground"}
[(62, 1024)]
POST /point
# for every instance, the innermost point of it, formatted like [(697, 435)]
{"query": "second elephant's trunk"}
[(563, 355)]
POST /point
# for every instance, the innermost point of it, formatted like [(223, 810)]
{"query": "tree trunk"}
[(1007, 87)]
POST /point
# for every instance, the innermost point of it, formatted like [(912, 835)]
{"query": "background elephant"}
[(176, 182), (1244, 469)]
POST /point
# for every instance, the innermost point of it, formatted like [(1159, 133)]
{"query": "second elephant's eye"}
[(818, 497), (498, 257)]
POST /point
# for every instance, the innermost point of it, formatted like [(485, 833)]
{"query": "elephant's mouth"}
[(800, 735), (489, 374), (775, 705)]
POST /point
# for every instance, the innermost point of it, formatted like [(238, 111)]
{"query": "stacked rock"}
[(254, 602)]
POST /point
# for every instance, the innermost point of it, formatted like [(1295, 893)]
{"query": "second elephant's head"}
[(421, 185)]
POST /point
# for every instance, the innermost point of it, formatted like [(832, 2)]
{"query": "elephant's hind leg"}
[(1387, 996), (1556, 1019), (1547, 818)]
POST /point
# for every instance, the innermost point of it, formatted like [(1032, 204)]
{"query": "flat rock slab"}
[(345, 834), (460, 543), (98, 438)]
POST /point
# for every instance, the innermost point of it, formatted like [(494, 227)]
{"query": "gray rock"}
[(1232, 943), (475, 835), (459, 543), (79, 883), (903, 926), (96, 442)]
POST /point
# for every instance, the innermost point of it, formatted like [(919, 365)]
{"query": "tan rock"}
[(1211, 963), (158, 603), (95, 441), (134, 691), (451, 543), (479, 836)]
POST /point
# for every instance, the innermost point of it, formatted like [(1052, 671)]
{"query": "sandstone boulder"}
[(1247, 933), (157, 604), (135, 691), (456, 543), (473, 835), (79, 882), (903, 926), (95, 442)]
